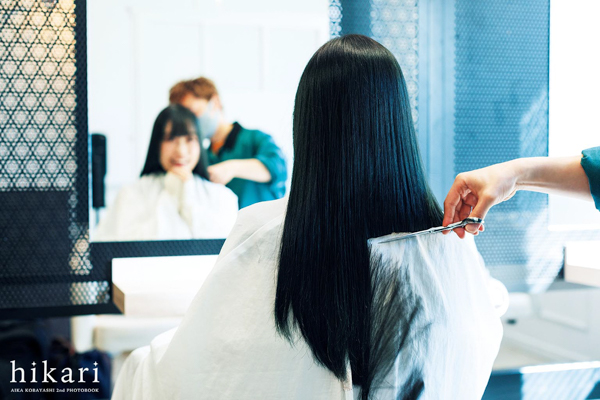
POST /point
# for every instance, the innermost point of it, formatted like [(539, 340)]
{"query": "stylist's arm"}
[(475, 192)]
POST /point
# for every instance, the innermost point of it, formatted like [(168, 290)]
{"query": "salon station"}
[(182, 186)]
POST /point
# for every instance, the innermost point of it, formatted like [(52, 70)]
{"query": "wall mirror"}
[(123, 57), (138, 50)]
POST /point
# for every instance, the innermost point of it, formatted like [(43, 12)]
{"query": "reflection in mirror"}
[(174, 198), (195, 102)]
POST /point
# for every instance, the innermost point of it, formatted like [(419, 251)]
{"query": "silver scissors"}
[(460, 224)]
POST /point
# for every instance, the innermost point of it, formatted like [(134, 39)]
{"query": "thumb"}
[(484, 203)]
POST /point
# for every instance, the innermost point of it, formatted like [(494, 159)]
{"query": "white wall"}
[(574, 101), (254, 51)]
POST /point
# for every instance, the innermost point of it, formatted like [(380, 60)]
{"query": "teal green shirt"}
[(591, 165), (241, 144)]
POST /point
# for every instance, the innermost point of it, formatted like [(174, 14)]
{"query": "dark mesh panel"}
[(501, 113), (44, 244), (393, 24), (335, 18)]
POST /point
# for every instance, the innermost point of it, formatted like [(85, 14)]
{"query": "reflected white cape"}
[(163, 207), (227, 347)]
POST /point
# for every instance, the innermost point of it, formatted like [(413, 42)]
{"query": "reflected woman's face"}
[(180, 154)]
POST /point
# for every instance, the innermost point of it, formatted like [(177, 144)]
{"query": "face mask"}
[(209, 121)]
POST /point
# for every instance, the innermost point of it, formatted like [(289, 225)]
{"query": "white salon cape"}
[(164, 207), (227, 347)]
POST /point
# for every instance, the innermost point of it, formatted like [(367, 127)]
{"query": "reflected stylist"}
[(247, 161)]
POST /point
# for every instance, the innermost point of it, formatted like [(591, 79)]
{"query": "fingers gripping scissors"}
[(460, 224)]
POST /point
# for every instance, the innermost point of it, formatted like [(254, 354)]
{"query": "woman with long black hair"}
[(301, 303), (173, 199)]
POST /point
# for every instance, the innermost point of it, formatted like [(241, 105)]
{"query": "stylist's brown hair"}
[(202, 88)]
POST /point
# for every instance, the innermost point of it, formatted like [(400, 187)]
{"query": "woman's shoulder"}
[(443, 268), (258, 214), (142, 188), (147, 184), (212, 187), (261, 221)]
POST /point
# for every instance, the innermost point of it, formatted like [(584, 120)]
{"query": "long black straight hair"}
[(183, 123), (357, 175)]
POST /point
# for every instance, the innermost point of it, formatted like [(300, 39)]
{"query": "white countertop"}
[(158, 286)]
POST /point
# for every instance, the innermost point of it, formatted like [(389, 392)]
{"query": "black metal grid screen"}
[(44, 249)]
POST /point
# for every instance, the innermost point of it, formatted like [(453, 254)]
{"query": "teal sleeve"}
[(591, 165), (273, 159)]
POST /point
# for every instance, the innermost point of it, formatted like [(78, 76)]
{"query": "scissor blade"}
[(401, 236)]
